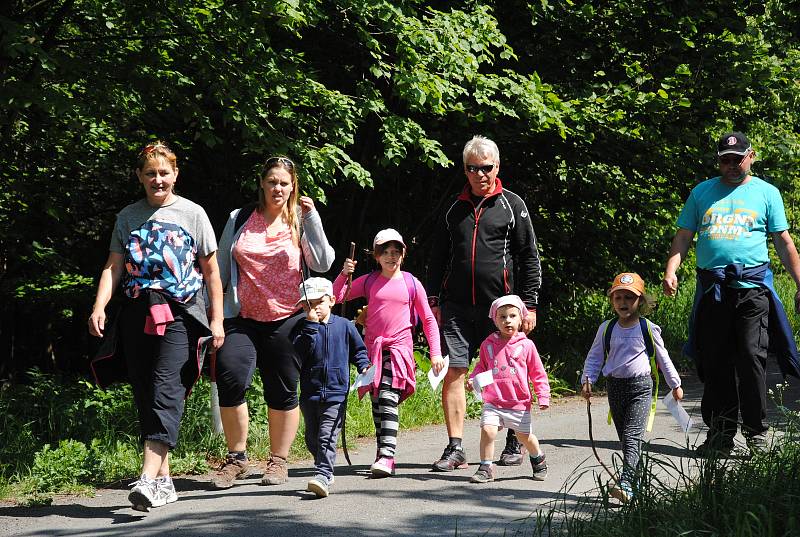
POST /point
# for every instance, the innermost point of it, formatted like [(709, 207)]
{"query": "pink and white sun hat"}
[(508, 300)]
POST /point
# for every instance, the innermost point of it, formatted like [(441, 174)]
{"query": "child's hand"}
[(311, 313), (544, 407), (677, 393), (437, 364), (468, 385), (349, 266), (586, 390)]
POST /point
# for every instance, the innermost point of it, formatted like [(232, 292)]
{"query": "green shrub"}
[(70, 464), (117, 460)]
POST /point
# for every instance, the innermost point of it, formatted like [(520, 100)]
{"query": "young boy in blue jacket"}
[(326, 344)]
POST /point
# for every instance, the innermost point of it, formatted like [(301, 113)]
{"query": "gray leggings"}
[(629, 399)]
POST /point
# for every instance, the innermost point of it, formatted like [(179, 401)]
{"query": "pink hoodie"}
[(389, 327), (514, 362)]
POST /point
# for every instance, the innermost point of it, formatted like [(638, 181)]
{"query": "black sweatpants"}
[(732, 341)]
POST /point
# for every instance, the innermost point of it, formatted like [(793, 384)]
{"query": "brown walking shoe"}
[(231, 470), (276, 472)]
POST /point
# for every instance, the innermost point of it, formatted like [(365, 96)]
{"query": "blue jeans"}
[(323, 425)]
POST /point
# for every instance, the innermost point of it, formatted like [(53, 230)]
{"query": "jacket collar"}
[(466, 192), (516, 338)]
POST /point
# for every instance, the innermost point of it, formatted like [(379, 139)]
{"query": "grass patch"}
[(64, 435), (754, 497)]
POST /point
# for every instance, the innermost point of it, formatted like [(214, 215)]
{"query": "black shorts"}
[(250, 343), (464, 327)]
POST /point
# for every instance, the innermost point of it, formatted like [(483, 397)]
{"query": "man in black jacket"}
[(486, 248)]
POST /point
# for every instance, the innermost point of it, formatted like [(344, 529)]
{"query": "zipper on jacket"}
[(477, 210), (324, 328)]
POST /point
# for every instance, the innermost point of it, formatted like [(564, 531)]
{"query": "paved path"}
[(414, 502)]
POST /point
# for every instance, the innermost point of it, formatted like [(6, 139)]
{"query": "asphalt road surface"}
[(415, 502)]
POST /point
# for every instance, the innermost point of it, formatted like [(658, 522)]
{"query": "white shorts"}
[(516, 420)]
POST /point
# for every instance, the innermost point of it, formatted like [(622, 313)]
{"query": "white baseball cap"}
[(388, 235), (314, 288)]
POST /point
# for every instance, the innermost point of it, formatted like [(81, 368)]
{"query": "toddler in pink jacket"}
[(508, 363)]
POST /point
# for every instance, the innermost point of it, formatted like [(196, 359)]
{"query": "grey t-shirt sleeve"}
[(187, 214), (203, 233)]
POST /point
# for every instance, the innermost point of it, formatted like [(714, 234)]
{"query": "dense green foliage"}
[(605, 115)]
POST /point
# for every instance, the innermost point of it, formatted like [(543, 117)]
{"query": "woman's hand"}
[(349, 266), (306, 204), (97, 322), (468, 385), (437, 364), (677, 393), (586, 390), (218, 333)]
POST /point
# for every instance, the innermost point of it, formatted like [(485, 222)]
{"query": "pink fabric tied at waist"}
[(160, 315), (401, 350)]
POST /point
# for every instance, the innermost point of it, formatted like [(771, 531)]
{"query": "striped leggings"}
[(384, 411)]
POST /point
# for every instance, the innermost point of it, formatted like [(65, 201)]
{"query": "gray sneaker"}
[(320, 485), (484, 474), (276, 472), (453, 458), (757, 443), (513, 453), (539, 467), (715, 447), (149, 493), (231, 470)]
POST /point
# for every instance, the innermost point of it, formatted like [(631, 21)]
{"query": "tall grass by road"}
[(741, 496)]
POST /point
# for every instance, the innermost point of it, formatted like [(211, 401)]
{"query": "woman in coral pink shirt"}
[(261, 252)]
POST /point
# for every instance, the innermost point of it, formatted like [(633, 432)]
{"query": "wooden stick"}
[(349, 281)]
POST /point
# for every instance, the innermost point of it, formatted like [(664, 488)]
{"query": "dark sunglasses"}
[(471, 168), (284, 161), (732, 160)]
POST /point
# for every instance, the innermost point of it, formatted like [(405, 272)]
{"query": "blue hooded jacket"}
[(326, 351)]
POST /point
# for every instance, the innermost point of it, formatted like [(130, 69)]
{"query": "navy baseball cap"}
[(733, 143)]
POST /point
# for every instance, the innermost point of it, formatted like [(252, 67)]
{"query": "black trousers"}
[(161, 369), (732, 341)]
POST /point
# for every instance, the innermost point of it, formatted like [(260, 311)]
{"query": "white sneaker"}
[(165, 492), (149, 493)]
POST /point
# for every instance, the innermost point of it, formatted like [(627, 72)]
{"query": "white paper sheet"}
[(364, 379), (483, 379), (678, 412), (480, 381), (435, 380)]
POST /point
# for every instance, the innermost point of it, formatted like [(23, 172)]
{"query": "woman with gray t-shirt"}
[(162, 252)]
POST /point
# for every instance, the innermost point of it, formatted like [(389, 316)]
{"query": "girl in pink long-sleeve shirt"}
[(508, 363), (389, 337)]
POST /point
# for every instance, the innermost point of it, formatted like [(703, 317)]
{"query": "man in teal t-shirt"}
[(732, 216)]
